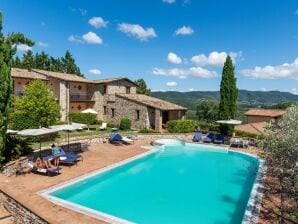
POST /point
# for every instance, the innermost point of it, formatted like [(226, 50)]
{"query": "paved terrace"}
[(24, 188)]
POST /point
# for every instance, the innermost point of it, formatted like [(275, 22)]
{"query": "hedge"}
[(181, 126), (206, 127), (125, 124), (239, 133), (83, 118), (147, 130), (20, 121)]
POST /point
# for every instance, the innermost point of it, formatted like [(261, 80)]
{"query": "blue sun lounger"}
[(197, 137), (115, 139), (208, 138), (66, 158), (219, 139)]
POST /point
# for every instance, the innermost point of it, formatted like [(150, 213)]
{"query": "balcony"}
[(80, 97), (19, 93)]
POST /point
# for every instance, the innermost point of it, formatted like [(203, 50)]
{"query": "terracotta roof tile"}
[(109, 80), (265, 112), (254, 128), (152, 102), (26, 74), (62, 76)]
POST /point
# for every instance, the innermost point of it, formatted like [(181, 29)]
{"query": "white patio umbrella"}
[(231, 122), (36, 132), (89, 111), (68, 128), (11, 132)]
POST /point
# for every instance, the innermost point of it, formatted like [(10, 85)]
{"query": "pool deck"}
[(24, 189)]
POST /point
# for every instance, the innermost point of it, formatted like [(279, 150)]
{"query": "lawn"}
[(84, 134)]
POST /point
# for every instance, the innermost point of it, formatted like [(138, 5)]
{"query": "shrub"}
[(16, 147), (247, 134), (84, 118), (20, 121), (181, 126), (147, 130), (206, 127), (125, 124)]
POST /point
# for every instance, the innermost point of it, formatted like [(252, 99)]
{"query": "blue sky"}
[(172, 44)]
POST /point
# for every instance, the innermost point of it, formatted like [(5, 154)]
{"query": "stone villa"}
[(112, 98)]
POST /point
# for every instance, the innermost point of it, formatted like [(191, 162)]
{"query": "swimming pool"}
[(175, 183)]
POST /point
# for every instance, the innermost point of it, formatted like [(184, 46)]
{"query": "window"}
[(105, 89), (113, 112), (138, 115), (127, 90), (104, 110)]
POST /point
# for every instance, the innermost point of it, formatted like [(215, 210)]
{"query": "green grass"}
[(84, 134)]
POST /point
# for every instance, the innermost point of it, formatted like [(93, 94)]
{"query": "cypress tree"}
[(228, 96), (7, 50), (28, 60)]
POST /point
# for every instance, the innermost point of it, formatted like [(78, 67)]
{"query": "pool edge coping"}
[(251, 214)]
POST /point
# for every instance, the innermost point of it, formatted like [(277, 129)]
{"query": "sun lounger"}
[(127, 140), (237, 143), (219, 139), (115, 139), (197, 137), (45, 171), (103, 126), (58, 151), (208, 138)]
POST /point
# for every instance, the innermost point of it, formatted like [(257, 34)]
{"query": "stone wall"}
[(98, 100), (126, 108), (120, 87), (64, 100), (21, 214)]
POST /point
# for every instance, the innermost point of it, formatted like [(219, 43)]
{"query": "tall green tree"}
[(28, 60), (207, 111), (69, 65), (7, 51), (142, 87), (42, 61), (39, 104), (228, 96)]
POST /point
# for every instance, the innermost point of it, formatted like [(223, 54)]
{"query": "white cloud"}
[(23, 47), (92, 38), (171, 84), (215, 58), (97, 22), (42, 44), (191, 89), (83, 12), (173, 58), (169, 1), (137, 31), (74, 38), (94, 71), (184, 30), (294, 91), (184, 73), (283, 71)]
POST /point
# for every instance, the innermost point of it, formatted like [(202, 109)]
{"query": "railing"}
[(78, 97), (19, 93)]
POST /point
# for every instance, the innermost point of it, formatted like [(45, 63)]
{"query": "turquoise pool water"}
[(178, 184)]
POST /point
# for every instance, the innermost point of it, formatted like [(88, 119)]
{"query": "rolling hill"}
[(246, 99)]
